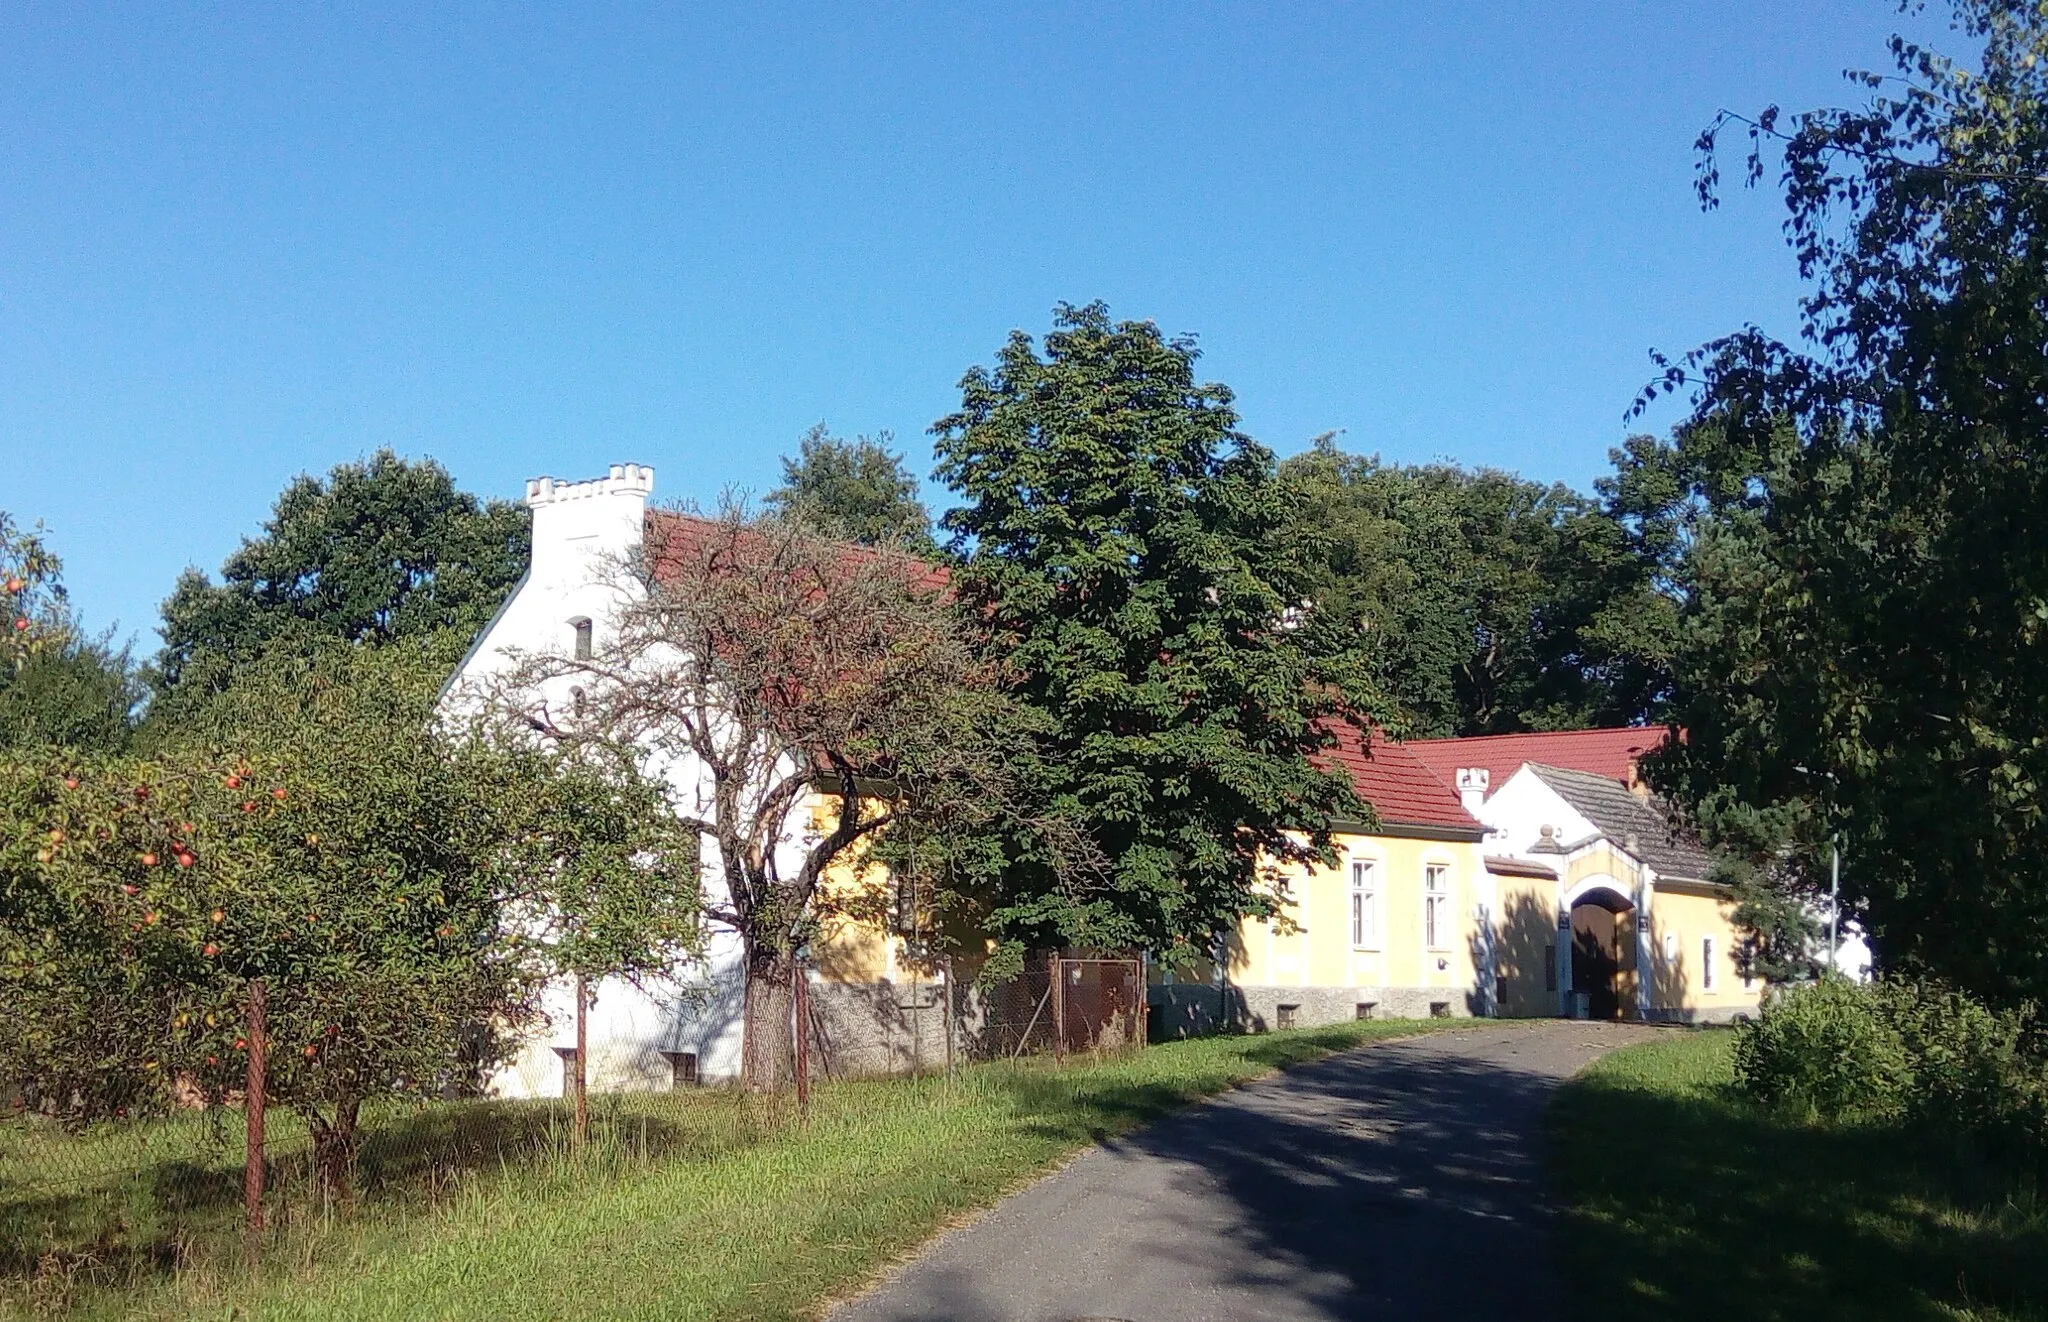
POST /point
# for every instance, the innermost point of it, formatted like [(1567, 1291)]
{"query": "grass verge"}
[(1686, 1202), (702, 1205)]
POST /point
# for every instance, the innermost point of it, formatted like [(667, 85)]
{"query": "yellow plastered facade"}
[(1311, 942)]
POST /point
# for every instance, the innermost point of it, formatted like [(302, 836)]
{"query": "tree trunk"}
[(334, 1148), (767, 1054)]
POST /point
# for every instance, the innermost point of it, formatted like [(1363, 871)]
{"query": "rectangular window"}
[(682, 1069), (1550, 967), (583, 639), (1707, 971), (1436, 906), (1366, 1009), (568, 1055), (1289, 1015), (1364, 895)]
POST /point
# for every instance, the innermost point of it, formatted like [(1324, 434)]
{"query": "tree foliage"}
[(1866, 568), (1488, 603), (858, 490), (378, 550), (769, 666), (1127, 548), (57, 686), (310, 828)]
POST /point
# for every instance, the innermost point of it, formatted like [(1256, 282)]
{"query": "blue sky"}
[(241, 242)]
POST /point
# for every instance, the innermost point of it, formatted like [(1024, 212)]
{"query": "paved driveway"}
[(1398, 1181)]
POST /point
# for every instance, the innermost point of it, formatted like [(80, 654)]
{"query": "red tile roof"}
[(1403, 790), (681, 532), (1611, 752)]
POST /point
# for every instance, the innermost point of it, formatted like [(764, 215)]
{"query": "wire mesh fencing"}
[(1059, 1005), (128, 1196)]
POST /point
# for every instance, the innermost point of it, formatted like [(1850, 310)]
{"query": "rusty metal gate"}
[(1061, 1004)]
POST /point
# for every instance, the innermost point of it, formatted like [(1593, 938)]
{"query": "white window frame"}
[(1708, 980), (1365, 903), (1436, 906)]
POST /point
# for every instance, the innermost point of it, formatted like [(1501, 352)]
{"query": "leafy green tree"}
[(1127, 548), (56, 685), (826, 700), (1866, 569), (380, 549), (1488, 603), (857, 489), (312, 828)]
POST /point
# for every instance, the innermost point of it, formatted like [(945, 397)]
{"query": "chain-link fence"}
[(128, 1197), (1059, 1005)]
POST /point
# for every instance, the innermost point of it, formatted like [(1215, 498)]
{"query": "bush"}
[(1928, 1055), (1827, 1050), (1970, 1072)]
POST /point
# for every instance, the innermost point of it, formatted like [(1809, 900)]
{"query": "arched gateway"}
[(1599, 938)]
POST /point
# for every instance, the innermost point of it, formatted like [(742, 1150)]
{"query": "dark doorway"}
[(1596, 958)]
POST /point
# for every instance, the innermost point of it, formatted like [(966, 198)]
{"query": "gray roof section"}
[(1619, 814)]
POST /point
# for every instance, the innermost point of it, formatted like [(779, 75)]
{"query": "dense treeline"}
[(1832, 576)]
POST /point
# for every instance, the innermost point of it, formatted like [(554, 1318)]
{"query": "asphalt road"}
[(1399, 1181)]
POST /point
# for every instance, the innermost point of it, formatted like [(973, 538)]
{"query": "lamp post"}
[(1834, 903)]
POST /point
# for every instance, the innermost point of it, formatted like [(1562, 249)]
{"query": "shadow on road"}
[(1398, 1181)]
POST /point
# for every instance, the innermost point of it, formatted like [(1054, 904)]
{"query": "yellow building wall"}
[(856, 899), (1525, 950), (1309, 944), (1688, 916)]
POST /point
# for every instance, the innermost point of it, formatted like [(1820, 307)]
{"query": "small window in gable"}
[(583, 638)]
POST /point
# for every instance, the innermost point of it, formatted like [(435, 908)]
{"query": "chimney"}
[(578, 527), (1472, 787)]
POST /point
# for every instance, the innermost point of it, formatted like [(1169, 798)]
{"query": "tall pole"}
[(1059, 1006), (256, 1030), (579, 1134), (802, 1009), (952, 1008), (1834, 904)]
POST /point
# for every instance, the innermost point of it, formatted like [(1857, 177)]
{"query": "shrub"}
[(1827, 1050), (1931, 1056), (1969, 1071)]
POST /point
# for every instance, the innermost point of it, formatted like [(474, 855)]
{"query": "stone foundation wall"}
[(883, 1028), (1193, 1009)]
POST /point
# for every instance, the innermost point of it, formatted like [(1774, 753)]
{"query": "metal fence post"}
[(579, 1133), (256, 1031), (802, 1009), (1059, 1006), (952, 1008)]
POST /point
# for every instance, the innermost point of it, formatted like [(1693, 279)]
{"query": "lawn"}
[(1687, 1203), (707, 1204)]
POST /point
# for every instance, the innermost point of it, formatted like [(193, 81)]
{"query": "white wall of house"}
[(1517, 810), (582, 533)]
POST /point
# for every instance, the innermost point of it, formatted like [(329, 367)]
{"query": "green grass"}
[(709, 1204), (1686, 1202)]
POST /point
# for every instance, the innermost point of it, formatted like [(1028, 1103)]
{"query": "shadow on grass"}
[(122, 1224), (1685, 1202)]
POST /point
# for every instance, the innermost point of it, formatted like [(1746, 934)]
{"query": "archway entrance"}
[(1596, 951)]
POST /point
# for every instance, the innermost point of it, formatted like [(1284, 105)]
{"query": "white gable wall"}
[(1516, 813), (582, 533)]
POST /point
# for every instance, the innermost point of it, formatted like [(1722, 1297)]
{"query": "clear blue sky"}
[(242, 242)]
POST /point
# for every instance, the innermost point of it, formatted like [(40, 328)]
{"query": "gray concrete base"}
[(1193, 1009), (882, 1027), (1720, 1014)]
